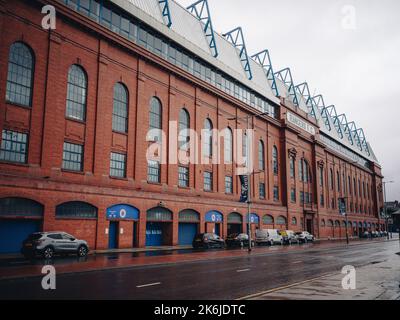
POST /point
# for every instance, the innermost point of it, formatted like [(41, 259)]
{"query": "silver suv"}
[(47, 244)]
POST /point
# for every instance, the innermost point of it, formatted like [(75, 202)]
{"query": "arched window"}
[(330, 223), (294, 221), (159, 214), (76, 93), (281, 220), (120, 109), (338, 180), (208, 138), (155, 112), (189, 215), (267, 219), (184, 125), (323, 223), (20, 75), (292, 167), (337, 223), (350, 188), (235, 217), (77, 210), (20, 207), (155, 127), (228, 146), (261, 156), (332, 179), (275, 160)]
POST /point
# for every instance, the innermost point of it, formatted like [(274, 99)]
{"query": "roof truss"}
[(264, 59), (201, 11), (304, 90), (166, 13), (285, 75), (236, 38)]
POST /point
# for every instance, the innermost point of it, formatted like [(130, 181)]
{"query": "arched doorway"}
[(159, 229), (214, 220), (19, 217), (189, 221), (235, 223), (254, 223), (122, 214)]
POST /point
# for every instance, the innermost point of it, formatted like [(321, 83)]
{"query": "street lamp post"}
[(385, 207), (249, 173)]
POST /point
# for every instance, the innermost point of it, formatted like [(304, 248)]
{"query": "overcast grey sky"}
[(353, 63)]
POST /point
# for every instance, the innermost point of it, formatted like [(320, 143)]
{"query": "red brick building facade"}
[(42, 181)]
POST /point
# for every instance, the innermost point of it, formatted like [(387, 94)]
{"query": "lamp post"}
[(249, 172), (385, 208)]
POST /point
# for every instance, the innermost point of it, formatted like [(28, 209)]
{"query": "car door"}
[(69, 242), (57, 241)]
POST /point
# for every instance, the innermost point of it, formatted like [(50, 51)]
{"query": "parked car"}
[(207, 241), (289, 237), (238, 240), (365, 235), (375, 234), (48, 244), (268, 236), (305, 237)]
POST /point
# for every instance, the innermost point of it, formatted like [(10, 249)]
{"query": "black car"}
[(238, 240), (208, 240)]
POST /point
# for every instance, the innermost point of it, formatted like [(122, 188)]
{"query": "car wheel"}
[(82, 251), (271, 243), (48, 253)]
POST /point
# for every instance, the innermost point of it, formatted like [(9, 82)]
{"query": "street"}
[(237, 275)]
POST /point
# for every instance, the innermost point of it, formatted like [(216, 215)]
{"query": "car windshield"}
[(34, 236), (298, 233)]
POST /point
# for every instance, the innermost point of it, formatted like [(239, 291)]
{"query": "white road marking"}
[(296, 262), (149, 285), (243, 270)]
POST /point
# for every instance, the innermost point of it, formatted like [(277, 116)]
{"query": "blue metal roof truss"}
[(264, 59), (332, 112), (304, 90), (286, 76), (201, 11), (319, 102), (343, 120), (236, 38), (166, 13)]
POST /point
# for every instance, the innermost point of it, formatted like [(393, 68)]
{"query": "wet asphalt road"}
[(228, 278)]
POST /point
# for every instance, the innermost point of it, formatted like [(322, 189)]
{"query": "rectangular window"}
[(228, 185), (293, 195), (276, 193), (183, 177), (301, 197), (322, 200), (261, 190), (208, 181), (153, 172), (72, 157), (118, 165), (14, 146)]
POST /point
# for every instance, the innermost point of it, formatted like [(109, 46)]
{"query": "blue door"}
[(186, 233), (154, 234), (14, 232), (112, 235), (218, 229)]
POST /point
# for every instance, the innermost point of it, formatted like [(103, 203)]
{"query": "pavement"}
[(311, 270)]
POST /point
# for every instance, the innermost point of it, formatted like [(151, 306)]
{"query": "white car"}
[(305, 236), (268, 236)]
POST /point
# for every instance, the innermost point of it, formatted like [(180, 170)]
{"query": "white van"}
[(268, 236)]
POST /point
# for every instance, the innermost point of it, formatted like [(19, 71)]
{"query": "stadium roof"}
[(192, 28)]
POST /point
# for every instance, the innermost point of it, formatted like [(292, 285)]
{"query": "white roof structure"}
[(188, 31)]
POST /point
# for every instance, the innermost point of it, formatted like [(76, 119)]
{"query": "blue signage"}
[(254, 218), (123, 212), (214, 217)]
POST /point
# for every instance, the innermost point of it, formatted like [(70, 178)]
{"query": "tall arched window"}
[(76, 95), (292, 167), (208, 138), (275, 160), (261, 156), (120, 109), (155, 127), (338, 180), (228, 146), (155, 117), (20, 75), (184, 125), (332, 180)]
